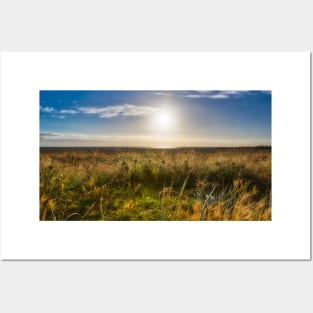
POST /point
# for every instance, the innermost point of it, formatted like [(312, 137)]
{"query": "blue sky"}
[(155, 118)]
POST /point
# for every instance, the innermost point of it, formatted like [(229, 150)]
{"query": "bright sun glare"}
[(164, 121)]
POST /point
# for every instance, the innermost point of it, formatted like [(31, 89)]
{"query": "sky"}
[(160, 119)]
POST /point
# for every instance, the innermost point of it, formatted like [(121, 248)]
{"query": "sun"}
[(164, 121)]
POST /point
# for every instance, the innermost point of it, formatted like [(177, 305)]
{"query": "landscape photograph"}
[(155, 155)]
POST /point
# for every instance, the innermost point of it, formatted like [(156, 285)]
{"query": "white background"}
[(157, 286), (24, 237)]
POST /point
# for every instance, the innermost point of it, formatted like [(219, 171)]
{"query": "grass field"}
[(118, 184)]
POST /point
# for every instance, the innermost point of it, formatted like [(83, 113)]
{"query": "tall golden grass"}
[(147, 184)]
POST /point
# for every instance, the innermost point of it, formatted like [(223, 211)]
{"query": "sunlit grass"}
[(150, 184)]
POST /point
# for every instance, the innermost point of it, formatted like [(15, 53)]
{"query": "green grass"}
[(155, 184)]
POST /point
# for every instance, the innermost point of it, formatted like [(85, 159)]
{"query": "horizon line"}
[(161, 147)]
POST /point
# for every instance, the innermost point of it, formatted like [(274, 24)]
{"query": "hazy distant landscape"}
[(155, 155)]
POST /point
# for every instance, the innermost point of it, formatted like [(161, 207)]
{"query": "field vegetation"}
[(119, 184)]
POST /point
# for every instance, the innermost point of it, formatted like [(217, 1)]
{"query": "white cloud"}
[(120, 110), (195, 96), (69, 112), (49, 135), (85, 140), (219, 96), (233, 92), (46, 109), (240, 93), (58, 116), (203, 94), (161, 93), (222, 94)]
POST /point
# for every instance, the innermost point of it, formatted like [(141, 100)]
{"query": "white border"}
[(23, 74)]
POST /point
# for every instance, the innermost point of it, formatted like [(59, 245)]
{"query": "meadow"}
[(186, 184)]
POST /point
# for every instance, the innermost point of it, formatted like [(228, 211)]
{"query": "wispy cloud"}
[(120, 110), (86, 140), (219, 96), (58, 115), (69, 112), (234, 92), (44, 136), (104, 112), (240, 93), (194, 96), (208, 94), (49, 134), (46, 109), (222, 94), (161, 93)]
